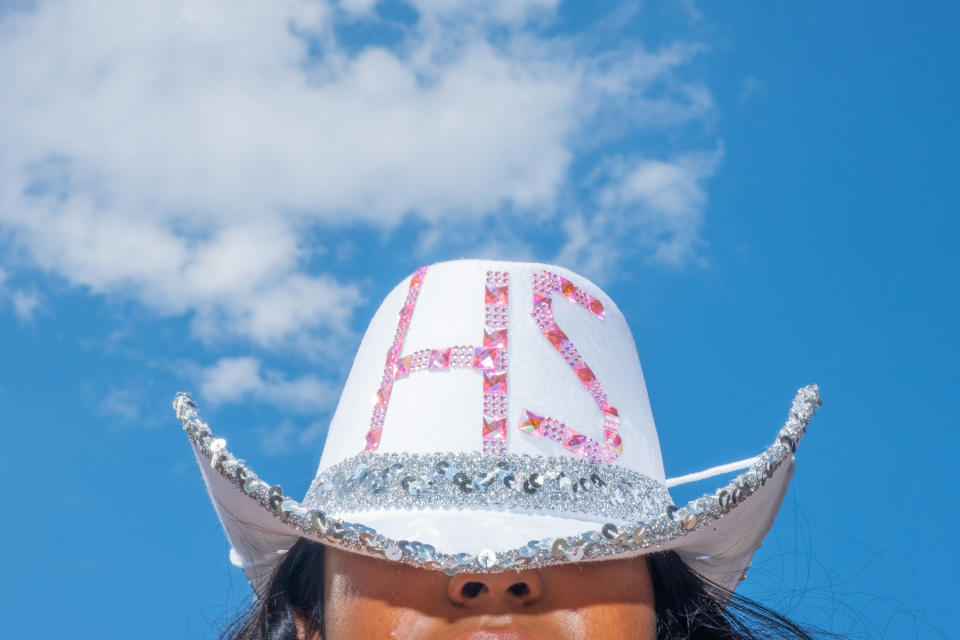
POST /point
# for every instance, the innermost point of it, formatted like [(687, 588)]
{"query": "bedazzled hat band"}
[(608, 540), (501, 482)]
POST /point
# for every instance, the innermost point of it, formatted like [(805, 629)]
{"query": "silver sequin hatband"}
[(610, 540)]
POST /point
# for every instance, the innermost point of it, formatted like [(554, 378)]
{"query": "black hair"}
[(687, 606), (295, 590)]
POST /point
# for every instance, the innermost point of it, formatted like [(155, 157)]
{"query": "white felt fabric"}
[(723, 551), (470, 531), (257, 538), (720, 552), (442, 411)]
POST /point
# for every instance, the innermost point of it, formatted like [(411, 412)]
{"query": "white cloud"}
[(285, 437), (179, 153), (657, 204), (750, 87), (23, 302), (312, 433), (122, 405), (499, 11), (277, 440), (241, 379), (132, 402), (670, 190), (357, 7), (689, 7)]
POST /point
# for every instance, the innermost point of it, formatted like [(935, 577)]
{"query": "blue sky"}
[(216, 196)]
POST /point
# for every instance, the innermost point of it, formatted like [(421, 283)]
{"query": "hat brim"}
[(716, 534)]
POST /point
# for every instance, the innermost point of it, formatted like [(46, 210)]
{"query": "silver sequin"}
[(487, 558), (469, 481), (577, 487)]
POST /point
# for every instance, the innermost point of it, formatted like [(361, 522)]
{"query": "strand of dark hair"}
[(687, 606), (295, 591)]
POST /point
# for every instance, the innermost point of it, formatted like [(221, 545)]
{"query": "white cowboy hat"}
[(447, 454)]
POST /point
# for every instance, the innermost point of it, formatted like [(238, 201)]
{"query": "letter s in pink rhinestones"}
[(545, 284)]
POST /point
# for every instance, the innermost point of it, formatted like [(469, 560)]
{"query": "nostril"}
[(495, 590)]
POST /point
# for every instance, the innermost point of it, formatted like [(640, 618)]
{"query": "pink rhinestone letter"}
[(544, 285), (490, 359)]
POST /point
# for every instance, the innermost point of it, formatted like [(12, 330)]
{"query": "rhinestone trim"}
[(545, 284), (506, 482), (610, 540), (496, 297), (490, 358)]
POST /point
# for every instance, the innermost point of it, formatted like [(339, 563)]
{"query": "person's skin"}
[(369, 599)]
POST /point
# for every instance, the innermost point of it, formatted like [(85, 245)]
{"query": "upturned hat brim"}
[(716, 534)]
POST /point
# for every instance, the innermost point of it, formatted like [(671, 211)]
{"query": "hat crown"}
[(489, 357), (419, 468)]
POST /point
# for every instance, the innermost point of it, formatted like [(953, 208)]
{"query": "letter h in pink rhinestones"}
[(490, 359)]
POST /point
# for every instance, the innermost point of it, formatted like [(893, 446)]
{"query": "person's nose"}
[(504, 589)]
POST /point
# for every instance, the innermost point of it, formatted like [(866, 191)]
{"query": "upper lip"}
[(496, 633)]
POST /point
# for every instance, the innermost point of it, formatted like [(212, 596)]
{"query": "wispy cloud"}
[(24, 302), (750, 87), (243, 379), (657, 204), (134, 403), (286, 437), (196, 157), (121, 405), (189, 155)]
